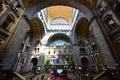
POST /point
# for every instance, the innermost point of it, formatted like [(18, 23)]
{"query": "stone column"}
[(76, 54), (105, 50), (14, 44), (41, 60), (27, 65)]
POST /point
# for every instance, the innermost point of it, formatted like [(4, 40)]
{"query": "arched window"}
[(59, 24)]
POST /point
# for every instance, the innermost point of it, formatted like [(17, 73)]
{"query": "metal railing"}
[(9, 74), (108, 75)]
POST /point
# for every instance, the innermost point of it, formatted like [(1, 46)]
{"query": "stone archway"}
[(82, 29), (35, 8), (57, 35), (88, 3), (37, 27), (31, 11), (84, 61), (34, 61)]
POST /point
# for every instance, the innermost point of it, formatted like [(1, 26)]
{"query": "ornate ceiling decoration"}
[(60, 11)]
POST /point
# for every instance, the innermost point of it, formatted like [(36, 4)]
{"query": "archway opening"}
[(74, 4), (82, 29), (60, 53), (34, 61), (59, 40), (84, 61)]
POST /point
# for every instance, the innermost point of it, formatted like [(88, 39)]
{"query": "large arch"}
[(37, 28), (59, 35), (30, 3), (35, 8), (81, 30)]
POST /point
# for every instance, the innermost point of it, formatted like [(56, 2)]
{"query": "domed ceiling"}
[(60, 11)]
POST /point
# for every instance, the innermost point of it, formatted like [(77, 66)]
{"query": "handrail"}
[(19, 76), (109, 74), (99, 75), (4, 74)]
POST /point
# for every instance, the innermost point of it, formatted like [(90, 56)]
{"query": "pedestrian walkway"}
[(49, 76), (71, 76)]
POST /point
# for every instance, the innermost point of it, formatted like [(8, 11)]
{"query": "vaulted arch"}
[(31, 3), (71, 3), (82, 29), (59, 36), (37, 28)]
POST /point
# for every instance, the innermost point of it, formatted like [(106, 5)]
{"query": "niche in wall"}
[(110, 22)]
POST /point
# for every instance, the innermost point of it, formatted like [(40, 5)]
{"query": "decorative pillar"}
[(102, 43), (76, 54)]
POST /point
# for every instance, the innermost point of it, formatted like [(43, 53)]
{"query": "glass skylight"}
[(59, 24)]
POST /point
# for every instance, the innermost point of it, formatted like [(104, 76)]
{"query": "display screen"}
[(58, 60)]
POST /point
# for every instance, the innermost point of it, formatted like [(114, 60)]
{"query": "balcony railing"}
[(108, 75), (9, 74)]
